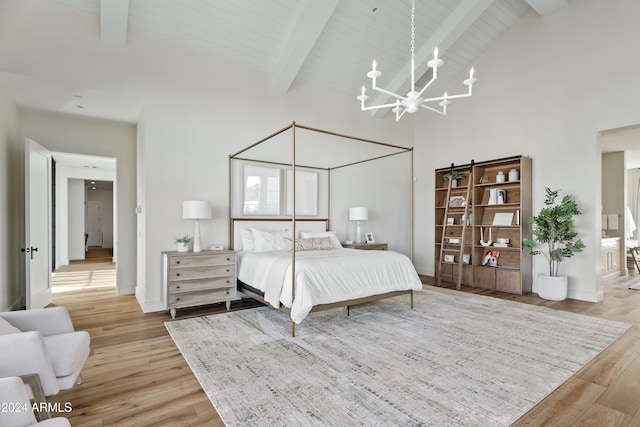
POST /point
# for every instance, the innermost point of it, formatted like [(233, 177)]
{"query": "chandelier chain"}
[(413, 28)]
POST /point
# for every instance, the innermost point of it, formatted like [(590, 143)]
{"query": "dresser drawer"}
[(201, 284), (190, 299), (176, 274), (204, 261)]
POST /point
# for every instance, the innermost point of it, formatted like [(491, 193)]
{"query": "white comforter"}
[(324, 277)]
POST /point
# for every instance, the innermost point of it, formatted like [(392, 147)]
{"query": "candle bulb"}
[(435, 53), (471, 73), (362, 89), (374, 65)]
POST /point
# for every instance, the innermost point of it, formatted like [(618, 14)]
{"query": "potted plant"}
[(182, 243), (454, 177), (554, 226)]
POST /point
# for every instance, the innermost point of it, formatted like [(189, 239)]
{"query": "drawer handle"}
[(177, 274), (177, 299), (228, 259), (228, 281), (177, 287), (177, 262), (228, 270), (227, 291)]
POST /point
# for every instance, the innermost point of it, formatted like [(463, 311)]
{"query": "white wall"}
[(75, 212), (613, 190), (11, 199), (546, 89), (68, 134)]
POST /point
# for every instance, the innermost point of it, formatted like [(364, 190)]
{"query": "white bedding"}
[(324, 277)]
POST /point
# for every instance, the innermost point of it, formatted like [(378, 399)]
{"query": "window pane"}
[(306, 192), (261, 190)]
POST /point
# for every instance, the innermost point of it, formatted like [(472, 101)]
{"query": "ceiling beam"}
[(547, 7), (310, 25), (463, 17), (114, 20)]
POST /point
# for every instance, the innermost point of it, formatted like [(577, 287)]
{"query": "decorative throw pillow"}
[(310, 244), (264, 241), (7, 328), (335, 242)]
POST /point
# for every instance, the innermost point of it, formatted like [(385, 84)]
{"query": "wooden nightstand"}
[(366, 246), (198, 278)]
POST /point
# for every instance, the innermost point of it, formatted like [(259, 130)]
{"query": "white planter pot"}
[(454, 183), (552, 287), (182, 247)]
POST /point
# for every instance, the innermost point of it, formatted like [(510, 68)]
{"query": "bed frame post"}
[(412, 215), (293, 221)]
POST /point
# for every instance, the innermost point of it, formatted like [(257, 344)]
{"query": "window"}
[(306, 192), (261, 190), (264, 191)]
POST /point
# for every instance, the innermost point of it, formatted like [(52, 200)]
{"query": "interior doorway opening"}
[(620, 206), (85, 223)]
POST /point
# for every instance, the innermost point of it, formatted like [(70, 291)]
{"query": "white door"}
[(94, 223), (37, 225)]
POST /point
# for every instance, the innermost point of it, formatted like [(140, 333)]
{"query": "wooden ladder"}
[(445, 236)]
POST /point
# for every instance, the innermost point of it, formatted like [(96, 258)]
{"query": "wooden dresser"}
[(193, 279)]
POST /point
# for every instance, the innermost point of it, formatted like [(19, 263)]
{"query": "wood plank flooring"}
[(137, 377)]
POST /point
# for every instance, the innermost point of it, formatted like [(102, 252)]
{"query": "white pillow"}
[(330, 234), (7, 328), (247, 240), (265, 241)]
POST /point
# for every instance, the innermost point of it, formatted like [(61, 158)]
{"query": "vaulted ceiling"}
[(328, 43)]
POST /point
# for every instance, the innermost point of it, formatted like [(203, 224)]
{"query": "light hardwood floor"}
[(137, 377)]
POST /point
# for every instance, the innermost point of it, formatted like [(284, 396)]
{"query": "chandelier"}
[(412, 102)]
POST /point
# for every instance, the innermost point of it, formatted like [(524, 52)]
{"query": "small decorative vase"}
[(500, 177), (553, 288), (454, 183), (514, 175)]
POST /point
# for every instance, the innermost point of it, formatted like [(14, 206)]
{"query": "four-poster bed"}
[(272, 251)]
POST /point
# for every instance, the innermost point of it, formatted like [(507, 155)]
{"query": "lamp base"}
[(358, 232), (196, 237)]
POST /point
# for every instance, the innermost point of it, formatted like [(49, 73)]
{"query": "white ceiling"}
[(328, 44)]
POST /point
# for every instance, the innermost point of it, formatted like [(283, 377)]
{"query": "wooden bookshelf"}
[(499, 210)]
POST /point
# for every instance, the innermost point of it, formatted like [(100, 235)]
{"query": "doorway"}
[(85, 208), (620, 208)]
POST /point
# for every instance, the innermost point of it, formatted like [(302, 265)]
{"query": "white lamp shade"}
[(358, 214), (196, 209)]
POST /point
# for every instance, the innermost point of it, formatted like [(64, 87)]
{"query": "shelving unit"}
[(506, 215)]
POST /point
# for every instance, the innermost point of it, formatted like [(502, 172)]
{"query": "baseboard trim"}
[(148, 306)]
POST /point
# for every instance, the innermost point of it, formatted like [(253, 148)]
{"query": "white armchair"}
[(45, 344), (16, 409)]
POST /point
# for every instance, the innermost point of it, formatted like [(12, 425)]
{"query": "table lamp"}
[(196, 210), (358, 214)]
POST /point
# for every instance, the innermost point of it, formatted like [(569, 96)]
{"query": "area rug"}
[(455, 359)]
